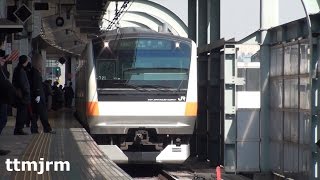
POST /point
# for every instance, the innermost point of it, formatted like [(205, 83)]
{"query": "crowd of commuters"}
[(30, 95)]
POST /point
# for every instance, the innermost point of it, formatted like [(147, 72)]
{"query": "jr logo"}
[(182, 98)]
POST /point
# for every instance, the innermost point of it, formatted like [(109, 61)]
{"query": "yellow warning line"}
[(49, 147), (34, 139), (33, 153), (37, 154), (47, 156), (40, 152)]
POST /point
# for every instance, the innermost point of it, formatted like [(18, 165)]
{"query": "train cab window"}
[(106, 70), (144, 61)]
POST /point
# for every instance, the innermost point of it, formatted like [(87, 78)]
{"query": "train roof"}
[(132, 32)]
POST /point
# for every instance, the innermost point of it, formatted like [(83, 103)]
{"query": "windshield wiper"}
[(157, 87), (179, 87)]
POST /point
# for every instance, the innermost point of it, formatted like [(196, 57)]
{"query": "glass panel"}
[(286, 126), (291, 93), (304, 159), (252, 79), (287, 62), (286, 93), (276, 89), (304, 62), (276, 157), (276, 125), (279, 61), (294, 58), (304, 93), (294, 133), (305, 128), (273, 62), (294, 94)]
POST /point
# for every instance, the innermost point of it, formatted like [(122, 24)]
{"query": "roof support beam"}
[(312, 6)]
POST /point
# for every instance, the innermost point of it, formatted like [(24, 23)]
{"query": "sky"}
[(239, 18)]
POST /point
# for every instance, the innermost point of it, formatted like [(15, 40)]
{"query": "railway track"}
[(175, 175)]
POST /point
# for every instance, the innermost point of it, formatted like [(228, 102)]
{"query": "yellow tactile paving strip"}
[(70, 143)]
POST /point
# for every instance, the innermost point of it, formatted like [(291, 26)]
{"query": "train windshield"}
[(143, 62)]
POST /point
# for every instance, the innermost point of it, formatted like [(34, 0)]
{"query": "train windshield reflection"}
[(144, 61)]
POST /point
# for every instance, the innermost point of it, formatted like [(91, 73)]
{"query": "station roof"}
[(84, 20)]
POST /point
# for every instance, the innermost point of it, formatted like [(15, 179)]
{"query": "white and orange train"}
[(140, 97)]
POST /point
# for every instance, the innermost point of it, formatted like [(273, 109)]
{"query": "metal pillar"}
[(312, 6), (268, 18), (192, 34), (192, 20), (201, 126), (202, 22), (214, 20), (314, 80)]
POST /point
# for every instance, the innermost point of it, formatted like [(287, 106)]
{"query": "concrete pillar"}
[(192, 20), (214, 19), (268, 17)]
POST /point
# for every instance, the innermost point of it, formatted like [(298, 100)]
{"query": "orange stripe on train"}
[(191, 109), (92, 109)]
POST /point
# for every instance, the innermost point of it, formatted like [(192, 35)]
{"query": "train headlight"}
[(177, 44), (106, 44)]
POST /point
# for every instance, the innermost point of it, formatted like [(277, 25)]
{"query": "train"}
[(136, 93)]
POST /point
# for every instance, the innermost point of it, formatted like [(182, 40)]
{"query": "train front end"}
[(142, 97)]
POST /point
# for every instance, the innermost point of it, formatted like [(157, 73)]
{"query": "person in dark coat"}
[(6, 89), (55, 96), (68, 95), (60, 97), (38, 97), (30, 113), (21, 83), (48, 93)]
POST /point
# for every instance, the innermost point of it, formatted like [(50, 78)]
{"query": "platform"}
[(71, 143)]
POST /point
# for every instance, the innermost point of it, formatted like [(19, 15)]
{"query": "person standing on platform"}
[(21, 83), (4, 91), (38, 97), (69, 95), (4, 76), (55, 96), (30, 114), (50, 94)]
